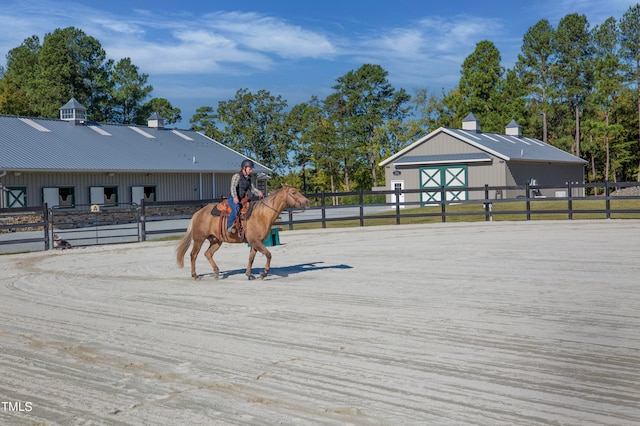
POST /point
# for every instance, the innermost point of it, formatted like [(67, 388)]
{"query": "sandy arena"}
[(493, 323)]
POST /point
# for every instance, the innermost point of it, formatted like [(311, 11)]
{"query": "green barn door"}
[(16, 197), (451, 177)]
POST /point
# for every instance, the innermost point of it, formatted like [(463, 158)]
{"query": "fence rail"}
[(130, 223), (33, 228)]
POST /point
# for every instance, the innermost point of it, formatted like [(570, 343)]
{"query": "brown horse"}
[(205, 226)]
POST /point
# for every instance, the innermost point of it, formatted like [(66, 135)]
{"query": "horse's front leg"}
[(258, 247)]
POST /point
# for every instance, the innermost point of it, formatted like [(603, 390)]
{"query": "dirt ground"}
[(495, 323)]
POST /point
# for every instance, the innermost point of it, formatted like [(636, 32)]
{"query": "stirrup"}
[(231, 230)]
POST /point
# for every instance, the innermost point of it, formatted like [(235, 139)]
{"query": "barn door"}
[(451, 177), (395, 186), (51, 196), (96, 194), (16, 197), (137, 194)]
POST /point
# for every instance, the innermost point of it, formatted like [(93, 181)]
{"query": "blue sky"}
[(201, 52)]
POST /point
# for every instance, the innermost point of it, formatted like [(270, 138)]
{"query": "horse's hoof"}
[(251, 277), (216, 276), (197, 277), (263, 275)]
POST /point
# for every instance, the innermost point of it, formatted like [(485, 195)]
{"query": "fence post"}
[(397, 189), (361, 207), (569, 201), (45, 219), (607, 200), (486, 202), (143, 221), (290, 220), (324, 213), (442, 203), (528, 201)]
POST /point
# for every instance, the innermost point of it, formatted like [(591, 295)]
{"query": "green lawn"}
[(542, 209)]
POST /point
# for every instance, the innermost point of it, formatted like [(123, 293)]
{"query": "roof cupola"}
[(73, 111)]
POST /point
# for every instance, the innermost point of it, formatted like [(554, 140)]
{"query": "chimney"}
[(471, 123), (513, 129), (155, 121), (73, 112)]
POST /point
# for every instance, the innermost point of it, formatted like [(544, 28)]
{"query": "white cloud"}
[(429, 51), (269, 34), (175, 43)]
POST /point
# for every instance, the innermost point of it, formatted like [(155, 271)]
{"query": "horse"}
[(263, 214)]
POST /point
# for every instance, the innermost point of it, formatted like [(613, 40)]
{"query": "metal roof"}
[(73, 104), (37, 144), (505, 147)]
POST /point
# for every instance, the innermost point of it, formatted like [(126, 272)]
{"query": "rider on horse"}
[(241, 185)]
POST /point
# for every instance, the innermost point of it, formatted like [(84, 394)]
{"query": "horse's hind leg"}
[(213, 247), (194, 255)]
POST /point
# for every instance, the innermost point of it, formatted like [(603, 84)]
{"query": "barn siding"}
[(442, 144), (545, 174), (169, 186)]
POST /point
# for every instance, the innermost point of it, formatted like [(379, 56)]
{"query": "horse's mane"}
[(275, 193)]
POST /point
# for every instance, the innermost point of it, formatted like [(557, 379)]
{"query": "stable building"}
[(469, 158), (73, 163)]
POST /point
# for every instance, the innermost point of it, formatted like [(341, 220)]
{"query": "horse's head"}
[(295, 198)]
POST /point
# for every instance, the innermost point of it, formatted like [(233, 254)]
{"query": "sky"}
[(198, 53)]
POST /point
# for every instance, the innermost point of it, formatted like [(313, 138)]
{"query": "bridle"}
[(296, 201)]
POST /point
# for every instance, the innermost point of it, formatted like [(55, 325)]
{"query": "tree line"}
[(573, 86)]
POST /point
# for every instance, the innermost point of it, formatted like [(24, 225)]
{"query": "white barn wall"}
[(169, 186)]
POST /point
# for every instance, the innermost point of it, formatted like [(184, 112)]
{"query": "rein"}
[(264, 200), (265, 203)]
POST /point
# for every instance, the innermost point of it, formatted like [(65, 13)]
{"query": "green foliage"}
[(364, 108), (161, 106), (39, 79), (480, 84), (129, 90)]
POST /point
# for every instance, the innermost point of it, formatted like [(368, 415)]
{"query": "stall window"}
[(110, 195), (150, 193), (66, 197)]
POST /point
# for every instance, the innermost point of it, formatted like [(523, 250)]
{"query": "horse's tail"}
[(182, 248)]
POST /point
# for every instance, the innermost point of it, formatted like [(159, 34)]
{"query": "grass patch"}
[(540, 209)]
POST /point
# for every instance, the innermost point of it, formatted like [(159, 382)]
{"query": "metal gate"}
[(451, 177), (95, 224)]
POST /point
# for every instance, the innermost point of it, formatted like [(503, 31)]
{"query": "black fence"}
[(91, 224), (151, 220), (605, 200), (22, 226)]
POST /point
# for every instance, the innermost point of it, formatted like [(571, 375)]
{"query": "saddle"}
[(223, 209)]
